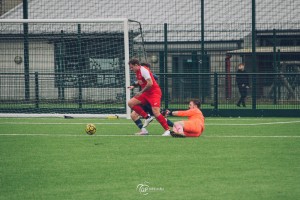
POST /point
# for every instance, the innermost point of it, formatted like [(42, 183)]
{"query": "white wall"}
[(41, 60)]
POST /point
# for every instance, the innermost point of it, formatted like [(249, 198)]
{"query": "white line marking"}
[(59, 123), (256, 124), (253, 136), (83, 135), (113, 135), (126, 123)]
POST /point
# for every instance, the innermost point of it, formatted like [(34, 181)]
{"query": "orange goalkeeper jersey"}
[(194, 126), (192, 114)]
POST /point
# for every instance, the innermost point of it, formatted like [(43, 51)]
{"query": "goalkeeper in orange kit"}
[(194, 126)]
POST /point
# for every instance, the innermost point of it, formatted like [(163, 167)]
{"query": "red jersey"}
[(142, 75)]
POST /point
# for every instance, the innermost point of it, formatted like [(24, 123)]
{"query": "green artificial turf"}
[(235, 158)]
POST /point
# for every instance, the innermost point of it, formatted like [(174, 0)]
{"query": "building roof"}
[(266, 50), (233, 16)]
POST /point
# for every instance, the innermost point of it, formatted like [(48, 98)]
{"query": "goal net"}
[(57, 67)]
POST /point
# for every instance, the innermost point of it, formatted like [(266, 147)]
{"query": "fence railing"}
[(217, 91)]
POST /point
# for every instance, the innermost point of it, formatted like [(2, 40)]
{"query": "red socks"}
[(139, 110), (162, 121)]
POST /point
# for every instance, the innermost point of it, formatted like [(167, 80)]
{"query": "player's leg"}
[(147, 108), (243, 97), (162, 120), (154, 100), (135, 104), (192, 128), (240, 100), (169, 122), (138, 122), (178, 129)]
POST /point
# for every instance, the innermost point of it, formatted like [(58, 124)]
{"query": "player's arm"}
[(185, 113), (171, 113), (146, 75), (148, 85), (133, 85)]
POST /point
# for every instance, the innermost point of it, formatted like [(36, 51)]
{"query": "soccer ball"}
[(90, 129)]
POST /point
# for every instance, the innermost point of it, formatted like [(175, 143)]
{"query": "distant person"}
[(242, 80), (194, 126)]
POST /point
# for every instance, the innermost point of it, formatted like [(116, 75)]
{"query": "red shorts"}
[(152, 98), (193, 128)]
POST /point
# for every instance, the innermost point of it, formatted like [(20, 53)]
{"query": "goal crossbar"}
[(104, 20)]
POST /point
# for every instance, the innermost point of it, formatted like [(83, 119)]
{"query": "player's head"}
[(195, 104), (134, 61), (241, 67), (134, 64)]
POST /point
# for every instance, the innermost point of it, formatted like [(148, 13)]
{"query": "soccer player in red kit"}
[(150, 93)]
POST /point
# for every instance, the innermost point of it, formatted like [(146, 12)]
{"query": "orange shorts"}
[(193, 128)]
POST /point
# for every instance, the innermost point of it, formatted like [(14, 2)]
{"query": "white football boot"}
[(167, 133), (148, 121), (143, 132)]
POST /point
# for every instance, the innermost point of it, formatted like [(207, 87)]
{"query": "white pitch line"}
[(128, 123), (83, 135), (113, 135), (59, 123), (256, 124), (253, 136)]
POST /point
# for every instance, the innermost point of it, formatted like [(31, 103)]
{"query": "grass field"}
[(235, 158)]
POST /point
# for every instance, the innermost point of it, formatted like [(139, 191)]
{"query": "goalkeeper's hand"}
[(165, 113)]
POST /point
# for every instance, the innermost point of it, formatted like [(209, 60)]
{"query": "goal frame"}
[(123, 21)]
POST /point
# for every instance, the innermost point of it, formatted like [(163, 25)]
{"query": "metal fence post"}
[(79, 68), (166, 91), (26, 51), (216, 91), (37, 94), (275, 68), (254, 64)]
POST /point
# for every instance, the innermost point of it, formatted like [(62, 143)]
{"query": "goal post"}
[(66, 66)]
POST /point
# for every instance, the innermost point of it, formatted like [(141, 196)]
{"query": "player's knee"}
[(131, 103), (134, 116), (156, 111), (178, 128)]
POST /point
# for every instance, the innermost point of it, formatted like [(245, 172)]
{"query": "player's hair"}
[(197, 102), (146, 64), (134, 61)]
